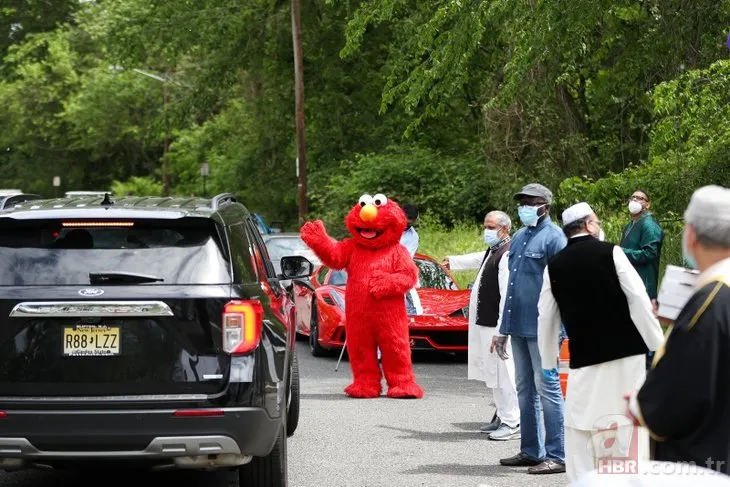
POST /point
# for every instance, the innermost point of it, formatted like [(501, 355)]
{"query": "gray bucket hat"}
[(535, 189)]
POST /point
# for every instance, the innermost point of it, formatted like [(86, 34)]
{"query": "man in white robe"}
[(592, 288), (485, 305)]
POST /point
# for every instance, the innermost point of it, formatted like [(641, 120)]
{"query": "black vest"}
[(488, 299), (592, 304)]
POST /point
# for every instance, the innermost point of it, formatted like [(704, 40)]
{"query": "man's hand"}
[(499, 345), (445, 262), (655, 308)]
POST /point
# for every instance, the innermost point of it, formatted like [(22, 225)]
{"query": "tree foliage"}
[(451, 104)]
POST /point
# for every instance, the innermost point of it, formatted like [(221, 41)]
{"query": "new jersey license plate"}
[(91, 340)]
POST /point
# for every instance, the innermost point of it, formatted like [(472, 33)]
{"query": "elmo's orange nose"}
[(368, 213)]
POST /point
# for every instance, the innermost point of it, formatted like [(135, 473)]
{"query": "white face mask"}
[(491, 237), (635, 207), (601, 236)]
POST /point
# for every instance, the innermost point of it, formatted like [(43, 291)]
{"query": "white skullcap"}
[(576, 212), (709, 202)]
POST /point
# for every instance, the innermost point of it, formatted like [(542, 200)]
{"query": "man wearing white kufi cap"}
[(592, 288), (685, 401)]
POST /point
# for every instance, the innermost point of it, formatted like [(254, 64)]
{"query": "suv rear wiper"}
[(121, 277)]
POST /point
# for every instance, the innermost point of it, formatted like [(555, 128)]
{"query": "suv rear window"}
[(55, 252)]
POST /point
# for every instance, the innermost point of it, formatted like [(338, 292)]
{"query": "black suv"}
[(149, 331)]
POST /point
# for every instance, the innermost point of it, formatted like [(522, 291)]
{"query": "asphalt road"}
[(343, 442)]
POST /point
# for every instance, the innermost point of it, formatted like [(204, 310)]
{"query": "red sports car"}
[(438, 323)]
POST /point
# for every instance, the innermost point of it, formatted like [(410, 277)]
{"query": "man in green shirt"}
[(641, 241)]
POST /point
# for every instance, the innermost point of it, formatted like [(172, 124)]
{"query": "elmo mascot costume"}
[(379, 273)]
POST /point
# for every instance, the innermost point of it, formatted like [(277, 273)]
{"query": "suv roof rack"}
[(221, 199), (9, 201)]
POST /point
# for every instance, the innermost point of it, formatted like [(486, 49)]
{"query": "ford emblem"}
[(91, 292)]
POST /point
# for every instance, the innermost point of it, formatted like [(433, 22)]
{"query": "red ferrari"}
[(439, 321)]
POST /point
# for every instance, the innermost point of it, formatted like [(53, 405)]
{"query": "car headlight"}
[(338, 299)]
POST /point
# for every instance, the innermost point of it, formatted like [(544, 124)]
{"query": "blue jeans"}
[(410, 307), (541, 403)]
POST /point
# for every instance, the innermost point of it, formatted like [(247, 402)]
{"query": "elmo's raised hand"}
[(332, 253), (314, 233)]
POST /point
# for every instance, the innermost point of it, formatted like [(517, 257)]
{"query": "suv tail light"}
[(242, 323)]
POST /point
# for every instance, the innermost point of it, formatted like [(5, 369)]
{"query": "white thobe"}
[(497, 374), (595, 393)]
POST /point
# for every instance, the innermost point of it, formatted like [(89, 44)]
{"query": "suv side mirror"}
[(296, 267)]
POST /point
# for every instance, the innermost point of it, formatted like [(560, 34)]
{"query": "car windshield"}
[(430, 275), (51, 252)]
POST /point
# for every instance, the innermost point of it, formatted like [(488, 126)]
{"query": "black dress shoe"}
[(521, 460), (548, 466)]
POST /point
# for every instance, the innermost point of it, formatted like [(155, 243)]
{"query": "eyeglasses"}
[(637, 198)]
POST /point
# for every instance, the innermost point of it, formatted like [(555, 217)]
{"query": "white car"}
[(285, 244)]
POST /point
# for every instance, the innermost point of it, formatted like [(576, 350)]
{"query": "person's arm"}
[(649, 240), (409, 240), (555, 245), (499, 341), (640, 307), (678, 392), (548, 324), (503, 278), (466, 261)]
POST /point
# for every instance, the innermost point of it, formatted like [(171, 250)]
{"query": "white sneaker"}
[(504, 433)]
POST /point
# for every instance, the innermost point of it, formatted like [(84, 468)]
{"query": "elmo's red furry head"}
[(376, 222)]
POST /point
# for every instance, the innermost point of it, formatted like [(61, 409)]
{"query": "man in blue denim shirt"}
[(532, 247)]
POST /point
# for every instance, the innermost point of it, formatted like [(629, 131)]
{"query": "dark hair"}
[(410, 210), (575, 227)]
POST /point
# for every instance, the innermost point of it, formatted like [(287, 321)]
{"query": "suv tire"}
[(268, 471), (292, 413)]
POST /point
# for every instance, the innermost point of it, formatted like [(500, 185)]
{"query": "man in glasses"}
[(641, 241), (538, 391)]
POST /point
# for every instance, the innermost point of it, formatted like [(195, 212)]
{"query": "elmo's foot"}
[(363, 390), (410, 390)]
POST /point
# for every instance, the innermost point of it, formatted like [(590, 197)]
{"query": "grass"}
[(437, 241)]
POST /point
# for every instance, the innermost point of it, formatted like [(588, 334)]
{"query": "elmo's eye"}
[(380, 199), (365, 199)]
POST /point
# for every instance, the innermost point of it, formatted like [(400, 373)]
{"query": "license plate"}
[(91, 340)]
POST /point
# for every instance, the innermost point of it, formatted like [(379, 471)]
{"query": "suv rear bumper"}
[(44, 438)]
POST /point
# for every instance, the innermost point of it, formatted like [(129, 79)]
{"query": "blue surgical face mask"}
[(491, 237), (528, 214), (689, 259)]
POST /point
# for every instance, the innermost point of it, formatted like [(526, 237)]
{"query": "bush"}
[(451, 188), (137, 186), (437, 241)]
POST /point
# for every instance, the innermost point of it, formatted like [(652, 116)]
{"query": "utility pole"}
[(165, 169), (296, 29), (166, 143)]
